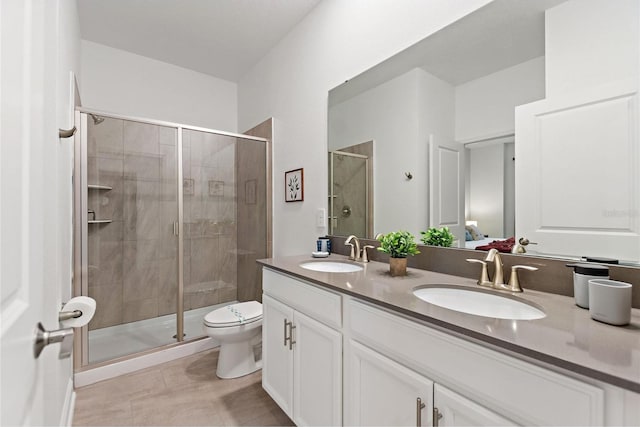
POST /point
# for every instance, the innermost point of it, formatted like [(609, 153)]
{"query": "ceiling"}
[(501, 34), (222, 38)]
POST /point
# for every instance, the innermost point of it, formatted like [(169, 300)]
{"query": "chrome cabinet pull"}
[(286, 324), (291, 341), (419, 407), (437, 415)]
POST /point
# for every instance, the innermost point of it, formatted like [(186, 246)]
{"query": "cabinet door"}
[(317, 373), (277, 358), (460, 411), (382, 392)]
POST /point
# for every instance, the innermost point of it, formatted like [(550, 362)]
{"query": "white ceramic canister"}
[(610, 301), (582, 273)]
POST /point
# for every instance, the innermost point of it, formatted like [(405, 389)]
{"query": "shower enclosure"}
[(350, 194), (169, 220)]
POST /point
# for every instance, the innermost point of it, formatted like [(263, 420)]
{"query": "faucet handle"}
[(365, 253), (514, 282), (484, 275)]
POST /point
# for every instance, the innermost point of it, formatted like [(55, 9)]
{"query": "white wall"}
[(387, 114), (336, 41), (589, 43), (437, 117), (485, 106), (124, 83)]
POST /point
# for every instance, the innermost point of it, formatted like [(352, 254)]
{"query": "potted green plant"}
[(399, 245), (438, 237)]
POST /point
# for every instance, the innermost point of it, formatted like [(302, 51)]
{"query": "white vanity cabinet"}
[(452, 409), (381, 392), (302, 349), (396, 370), (491, 388)]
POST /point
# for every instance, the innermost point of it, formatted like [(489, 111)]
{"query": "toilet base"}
[(236, 359)]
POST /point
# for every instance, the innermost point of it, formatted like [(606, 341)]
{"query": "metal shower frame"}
[(80, 215)]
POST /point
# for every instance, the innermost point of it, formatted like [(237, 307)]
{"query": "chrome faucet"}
[(355, 247), (498, 276)]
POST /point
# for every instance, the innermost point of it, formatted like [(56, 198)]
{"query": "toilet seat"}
[(234, 315)]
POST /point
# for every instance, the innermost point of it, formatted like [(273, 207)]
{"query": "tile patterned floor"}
[(183, 392)]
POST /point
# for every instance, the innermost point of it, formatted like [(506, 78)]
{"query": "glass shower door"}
[(131, 210), (209, 225), (348, 194)]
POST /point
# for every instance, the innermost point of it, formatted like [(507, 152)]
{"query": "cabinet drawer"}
[(320, 304), (524, 392)]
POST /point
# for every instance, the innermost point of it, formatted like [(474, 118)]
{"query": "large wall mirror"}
[(520, 118)]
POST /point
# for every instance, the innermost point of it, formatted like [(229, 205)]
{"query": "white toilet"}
[(237, 327)]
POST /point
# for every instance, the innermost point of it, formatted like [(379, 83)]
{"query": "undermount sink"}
[(331, 266), (478, 302)]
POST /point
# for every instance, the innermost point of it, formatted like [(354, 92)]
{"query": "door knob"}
[(44, 338)]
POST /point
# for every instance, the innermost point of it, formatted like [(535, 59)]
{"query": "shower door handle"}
[(176, 229)]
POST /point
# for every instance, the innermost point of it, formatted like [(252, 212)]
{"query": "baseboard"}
[(133, 364), (66, 418)]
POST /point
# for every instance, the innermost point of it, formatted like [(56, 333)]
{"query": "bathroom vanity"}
[(359, 348)]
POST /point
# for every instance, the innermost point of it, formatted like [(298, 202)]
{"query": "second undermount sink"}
[(331, 266), (478, 302)]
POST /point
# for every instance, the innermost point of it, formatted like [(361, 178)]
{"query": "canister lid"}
[(590, 269)]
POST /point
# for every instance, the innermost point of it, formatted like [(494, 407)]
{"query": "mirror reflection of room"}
[(519, 96)]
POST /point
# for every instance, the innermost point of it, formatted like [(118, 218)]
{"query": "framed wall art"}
[(294, 185)]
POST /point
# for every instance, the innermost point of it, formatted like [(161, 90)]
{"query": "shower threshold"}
[(130, 338)]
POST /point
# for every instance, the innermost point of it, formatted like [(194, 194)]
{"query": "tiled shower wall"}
[(132, 260), (253, 223)]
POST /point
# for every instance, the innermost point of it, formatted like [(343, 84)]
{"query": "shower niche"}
[(163, 228)]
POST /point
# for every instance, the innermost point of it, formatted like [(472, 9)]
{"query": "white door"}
[(446, 186), (277, 356), (456, 410), (317, 373), (578, 173), (28, 181), (382, 392)]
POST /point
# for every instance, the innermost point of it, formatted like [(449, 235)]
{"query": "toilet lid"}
[(234, 314)]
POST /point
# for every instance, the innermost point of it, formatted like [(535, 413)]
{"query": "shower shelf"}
[(99, 221), (99, 187)]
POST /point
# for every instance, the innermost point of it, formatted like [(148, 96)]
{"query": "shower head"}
[(96, 119)]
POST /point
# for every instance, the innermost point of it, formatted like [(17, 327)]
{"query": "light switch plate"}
[(321, 217)]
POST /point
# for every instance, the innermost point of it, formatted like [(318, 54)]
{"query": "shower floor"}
[(121, 340)]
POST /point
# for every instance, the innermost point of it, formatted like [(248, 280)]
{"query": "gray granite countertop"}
[(567, 337)]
